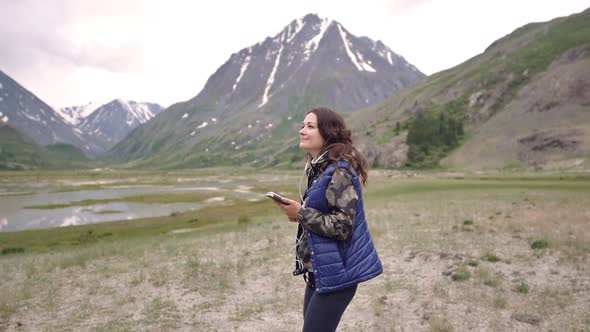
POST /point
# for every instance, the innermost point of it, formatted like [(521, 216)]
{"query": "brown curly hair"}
[(338, 140)]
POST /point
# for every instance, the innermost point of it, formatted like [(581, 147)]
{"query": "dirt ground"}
[(458, 260)]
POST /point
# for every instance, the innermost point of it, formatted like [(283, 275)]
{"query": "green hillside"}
[(18, 152), (523, 102), (238, 140), (67, 156)]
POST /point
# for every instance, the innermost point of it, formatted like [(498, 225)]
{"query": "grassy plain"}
[(502, 252)]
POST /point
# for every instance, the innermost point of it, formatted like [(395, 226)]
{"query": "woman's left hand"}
[(291, 210)]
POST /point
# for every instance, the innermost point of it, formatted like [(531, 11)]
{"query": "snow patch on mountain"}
[(356, 57), (389, 58), (271, 78), (136, 112), (73, 115), (33, 118), (242, 70), (313, 43), (297, 28)]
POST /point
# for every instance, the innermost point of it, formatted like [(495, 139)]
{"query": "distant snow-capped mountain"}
[(34, 118), (75, 114), (110, 123), (93, 128)]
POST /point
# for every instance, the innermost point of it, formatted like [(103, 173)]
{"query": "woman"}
[(334, 248)]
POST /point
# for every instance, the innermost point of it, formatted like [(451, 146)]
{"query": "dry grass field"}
[(459, 254)]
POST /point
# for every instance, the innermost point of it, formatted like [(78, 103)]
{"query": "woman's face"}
[(310, 139)]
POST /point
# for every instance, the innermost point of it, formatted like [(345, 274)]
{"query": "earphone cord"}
[(301, 179), (308, 164), (297, 259)]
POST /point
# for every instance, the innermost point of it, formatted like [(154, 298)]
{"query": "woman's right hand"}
[(291, 209)]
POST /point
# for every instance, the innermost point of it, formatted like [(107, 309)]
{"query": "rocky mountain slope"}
[(33, 117), (93, 128), (256, 98)]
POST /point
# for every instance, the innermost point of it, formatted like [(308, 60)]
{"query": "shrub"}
[(492, 258), (500, 302), (461, 275), (8, 251), (87, 237), (107, 234), (522, 287), (491, 282), (539, 244), (243, 219)]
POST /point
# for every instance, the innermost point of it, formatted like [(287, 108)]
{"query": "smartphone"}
[(276, 197)]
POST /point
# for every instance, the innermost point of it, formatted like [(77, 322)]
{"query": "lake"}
[(16, 197)]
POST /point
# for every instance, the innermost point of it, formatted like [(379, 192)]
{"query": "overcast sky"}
[(71, 52)]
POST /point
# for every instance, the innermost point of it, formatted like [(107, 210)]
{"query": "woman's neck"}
[(316, 156)]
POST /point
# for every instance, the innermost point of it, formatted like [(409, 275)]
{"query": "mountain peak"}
[(111, 122), (314, 19), (73, 115), (311, 16), (311, 61), (307, 49), (309, 21)]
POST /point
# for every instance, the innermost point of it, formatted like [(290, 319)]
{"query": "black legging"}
[(322, 312)]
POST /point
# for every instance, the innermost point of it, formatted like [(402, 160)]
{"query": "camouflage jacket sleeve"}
[(339, 221)]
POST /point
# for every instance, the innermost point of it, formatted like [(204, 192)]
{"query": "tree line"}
[(431, 136)]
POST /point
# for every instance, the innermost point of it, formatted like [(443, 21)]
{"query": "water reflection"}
[(35, 219), (15, 217)]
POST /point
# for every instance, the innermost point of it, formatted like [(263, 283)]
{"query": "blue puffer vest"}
[(340, 264)]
